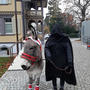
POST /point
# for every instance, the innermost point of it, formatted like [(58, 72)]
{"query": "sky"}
[(45, 11)]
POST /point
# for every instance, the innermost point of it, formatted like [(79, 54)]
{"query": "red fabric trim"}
[(29, 56), (39, 42), (35, 42), (40, 45), (26, 39)]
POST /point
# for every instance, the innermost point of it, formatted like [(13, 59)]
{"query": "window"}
[(8, 26), (5, 1)]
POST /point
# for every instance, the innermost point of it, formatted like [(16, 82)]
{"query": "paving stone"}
[(18, 79)]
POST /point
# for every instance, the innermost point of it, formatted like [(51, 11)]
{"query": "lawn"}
[(4, 64)]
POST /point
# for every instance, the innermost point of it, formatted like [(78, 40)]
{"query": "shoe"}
[(30, 87), (54, 88), (61, 89), (36, 88)]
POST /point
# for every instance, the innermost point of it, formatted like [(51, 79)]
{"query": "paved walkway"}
[(17, 79)]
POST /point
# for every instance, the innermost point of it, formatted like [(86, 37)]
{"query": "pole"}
[(23, 19), (36, 9), (42, 15), (16, 27), (42, 21)]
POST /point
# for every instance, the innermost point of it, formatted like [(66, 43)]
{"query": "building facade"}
[(8, 24), (85, 32), (27, 13)]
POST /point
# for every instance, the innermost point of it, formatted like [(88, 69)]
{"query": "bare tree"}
[(79, 8)]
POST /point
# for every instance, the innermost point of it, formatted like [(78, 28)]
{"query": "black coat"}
[(59, 55)]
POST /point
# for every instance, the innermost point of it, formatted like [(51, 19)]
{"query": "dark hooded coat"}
[(59, 55)]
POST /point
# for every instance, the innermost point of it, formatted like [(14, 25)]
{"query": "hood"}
[(57, 29)]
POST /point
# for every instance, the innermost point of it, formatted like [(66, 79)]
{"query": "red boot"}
[(37, 88), (30, 87)]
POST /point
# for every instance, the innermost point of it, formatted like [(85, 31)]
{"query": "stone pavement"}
[(18, 79)]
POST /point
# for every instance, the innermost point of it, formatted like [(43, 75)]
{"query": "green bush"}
[(69, 29), (73, 35)]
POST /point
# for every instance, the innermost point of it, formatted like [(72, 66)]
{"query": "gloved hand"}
[(68, 69)]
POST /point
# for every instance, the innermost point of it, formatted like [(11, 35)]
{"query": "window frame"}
[(2, 32)]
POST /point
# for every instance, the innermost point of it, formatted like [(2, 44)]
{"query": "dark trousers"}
[(54, 82)]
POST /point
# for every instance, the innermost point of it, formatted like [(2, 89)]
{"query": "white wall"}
[(4, 53)]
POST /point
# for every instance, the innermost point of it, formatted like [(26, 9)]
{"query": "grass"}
[(4, 64)]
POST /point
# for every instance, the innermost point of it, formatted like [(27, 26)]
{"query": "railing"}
[(10, 49), (34, 13), (20, 41)]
